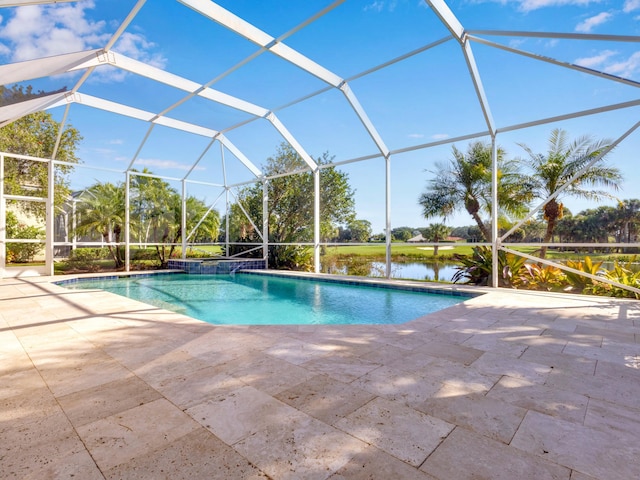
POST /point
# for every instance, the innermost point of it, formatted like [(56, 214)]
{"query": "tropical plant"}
[(477, 268), (578, 282), (542, 277), (102, 212), (155, 216), (621, 273), (436, 232), (554, 170), (465, 183)]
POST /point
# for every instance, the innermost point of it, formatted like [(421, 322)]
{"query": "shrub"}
[(515, 273), (543, 277), (22, 252), (577, 282), (87, 258), (620, 273), (477, 267)]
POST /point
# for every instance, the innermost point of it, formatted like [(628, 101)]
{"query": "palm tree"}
[(465, 182), (436, 232), (629, 217), (552, 171), (102, 211)]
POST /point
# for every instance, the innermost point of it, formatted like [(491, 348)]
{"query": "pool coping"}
[(394, 284)]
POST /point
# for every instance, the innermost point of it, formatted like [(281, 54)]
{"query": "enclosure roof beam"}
[(10, 113), (162, 76), (266, 41), (442, 10), (275, 121), (23, 3), (364, 118), (125, 23), (253, 34), (44, 67), (155, 119), (569, 36), (239, 155), (553, 61), (477, 83), (446, 16)]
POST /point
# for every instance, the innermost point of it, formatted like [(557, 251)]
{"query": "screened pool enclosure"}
[(198, 94)]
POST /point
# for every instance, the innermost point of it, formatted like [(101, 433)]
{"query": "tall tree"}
[(464, 183), (101, 211), (156, 211), (355, 231), (291, 210), (436, 232), (35, 135), (402, 234), (155, 216), (628, 213), (552, 171)]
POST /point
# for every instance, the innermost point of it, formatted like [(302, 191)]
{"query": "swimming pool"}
[(248, 299)]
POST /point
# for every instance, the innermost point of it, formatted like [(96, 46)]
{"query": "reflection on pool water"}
[(248, 299)]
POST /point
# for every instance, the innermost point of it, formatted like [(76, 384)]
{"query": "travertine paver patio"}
[(504, 386)]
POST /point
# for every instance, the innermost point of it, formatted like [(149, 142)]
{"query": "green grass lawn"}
[(210, 249), (447, 251)]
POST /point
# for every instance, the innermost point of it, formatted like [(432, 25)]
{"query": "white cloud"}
[(440, 136), (375, 6), (516, 42), (590, 23), (380, 5), (625, 68), (415, 135), (164, 164), (530, 5), (138, 47), (595, 61), (43, 31), (631, 5), (608, 62)]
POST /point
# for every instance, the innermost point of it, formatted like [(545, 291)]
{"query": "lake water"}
[(425, 271)]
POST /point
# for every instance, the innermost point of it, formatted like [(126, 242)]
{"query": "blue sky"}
[(425, 98)]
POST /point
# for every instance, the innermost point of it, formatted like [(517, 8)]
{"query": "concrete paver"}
[(525, 385)]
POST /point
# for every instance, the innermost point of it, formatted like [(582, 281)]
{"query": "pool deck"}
[(508, 385)]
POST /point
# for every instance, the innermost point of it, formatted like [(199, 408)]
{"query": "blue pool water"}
[(246, 299)]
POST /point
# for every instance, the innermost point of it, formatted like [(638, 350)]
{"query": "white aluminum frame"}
[(88, 61)]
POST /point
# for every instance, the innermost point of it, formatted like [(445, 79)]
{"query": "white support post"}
[(316, 220), (183, 219), (74, 223), (3, 222), (49, 220), (227, 222), (127, 221), (387, 162), (265, 221), (495, 240), (226, 200)]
